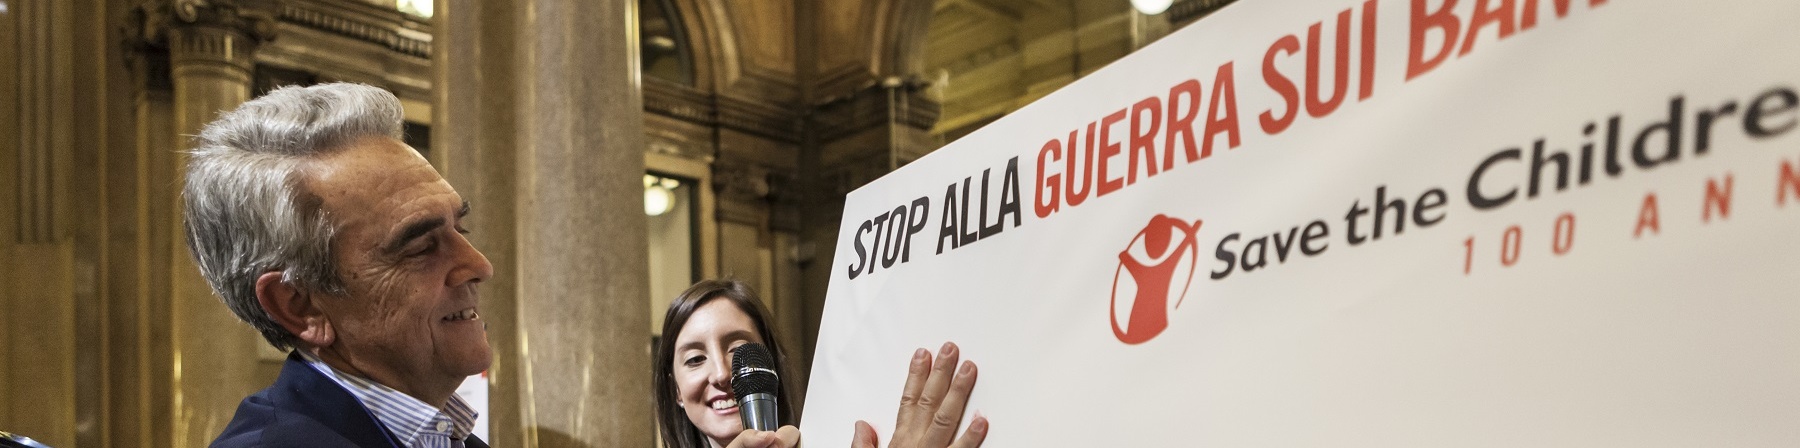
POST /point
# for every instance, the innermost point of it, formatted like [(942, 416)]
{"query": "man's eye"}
[(423, 247), (461, 230)]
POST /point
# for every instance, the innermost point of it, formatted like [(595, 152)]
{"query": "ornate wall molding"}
[(677, 101), (389, 28), (208, 44), (757, 118), (903, 103), (199, 32), (742, 189), (741, 181)]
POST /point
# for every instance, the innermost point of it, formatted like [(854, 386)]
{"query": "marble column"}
[(473, 146), (37, 274), (142, 364), (212, 357), (543, 131)]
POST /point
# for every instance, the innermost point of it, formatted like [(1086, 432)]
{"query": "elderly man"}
[(319, 228)]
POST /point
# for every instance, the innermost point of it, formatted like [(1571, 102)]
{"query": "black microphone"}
[(754, 382)]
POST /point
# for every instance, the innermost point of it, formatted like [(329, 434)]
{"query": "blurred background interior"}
[(757, 117)]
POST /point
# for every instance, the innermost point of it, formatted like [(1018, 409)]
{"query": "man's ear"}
[(294, 310)]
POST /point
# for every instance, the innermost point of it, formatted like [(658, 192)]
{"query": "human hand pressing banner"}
[(786, 437), (931, 406)]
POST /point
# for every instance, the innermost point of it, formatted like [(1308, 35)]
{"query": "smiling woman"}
[(694, 403)]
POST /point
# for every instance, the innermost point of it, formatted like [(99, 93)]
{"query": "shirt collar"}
[(406, 416)]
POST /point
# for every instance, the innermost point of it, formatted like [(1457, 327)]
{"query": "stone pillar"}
[(543, 129), (473, 146), (583, 283), (143, 374), (211, 358), (37, 247)]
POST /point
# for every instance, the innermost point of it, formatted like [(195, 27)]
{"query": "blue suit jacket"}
[(306, 409)]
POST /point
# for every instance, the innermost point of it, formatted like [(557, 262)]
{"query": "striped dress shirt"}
[(414, 423)]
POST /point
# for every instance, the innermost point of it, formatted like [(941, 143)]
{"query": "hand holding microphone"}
[(756, 386), (754, 382)]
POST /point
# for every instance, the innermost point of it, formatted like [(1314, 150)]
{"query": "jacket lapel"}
[(304, 391)]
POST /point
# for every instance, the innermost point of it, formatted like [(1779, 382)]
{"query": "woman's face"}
[(702, 367)]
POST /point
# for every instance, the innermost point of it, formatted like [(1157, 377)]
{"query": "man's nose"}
[(471, 265)]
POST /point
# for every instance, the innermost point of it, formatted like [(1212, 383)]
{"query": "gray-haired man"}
[(319, 228)]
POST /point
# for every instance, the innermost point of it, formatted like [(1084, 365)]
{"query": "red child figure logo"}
[(1153, 278)]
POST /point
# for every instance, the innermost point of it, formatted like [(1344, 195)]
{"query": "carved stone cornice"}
[(387, 27), (760, 118), (190, 46), (201, 31), (679, 102), (902, 104)]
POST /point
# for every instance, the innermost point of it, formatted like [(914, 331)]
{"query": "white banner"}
[(1359, 223)]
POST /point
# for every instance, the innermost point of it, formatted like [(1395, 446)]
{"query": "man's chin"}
[(471, 361), (481, 362)]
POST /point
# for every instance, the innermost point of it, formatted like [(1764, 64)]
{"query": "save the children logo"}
[(1152, 278)]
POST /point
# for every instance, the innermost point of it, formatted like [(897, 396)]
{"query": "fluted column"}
[(37, 247), (142, 374), (211, 358), (543, 129)]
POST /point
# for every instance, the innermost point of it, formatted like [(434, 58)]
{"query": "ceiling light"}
[(1151, 7), (659, 195), (421, 8)]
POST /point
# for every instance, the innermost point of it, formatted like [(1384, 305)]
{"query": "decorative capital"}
[(253, 18), (226, 31), (146, 49)]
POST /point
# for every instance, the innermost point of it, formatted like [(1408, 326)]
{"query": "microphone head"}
[(753, 371)]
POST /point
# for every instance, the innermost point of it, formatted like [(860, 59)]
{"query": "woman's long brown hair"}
[(677, 431)]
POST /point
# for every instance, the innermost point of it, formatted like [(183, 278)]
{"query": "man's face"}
[(409, 321)]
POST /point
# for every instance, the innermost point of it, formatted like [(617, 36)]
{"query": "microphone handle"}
[(758, 412)]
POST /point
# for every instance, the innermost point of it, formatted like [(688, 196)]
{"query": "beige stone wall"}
[(39, 282)]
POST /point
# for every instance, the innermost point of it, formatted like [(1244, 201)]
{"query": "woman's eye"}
[(694, 361)]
